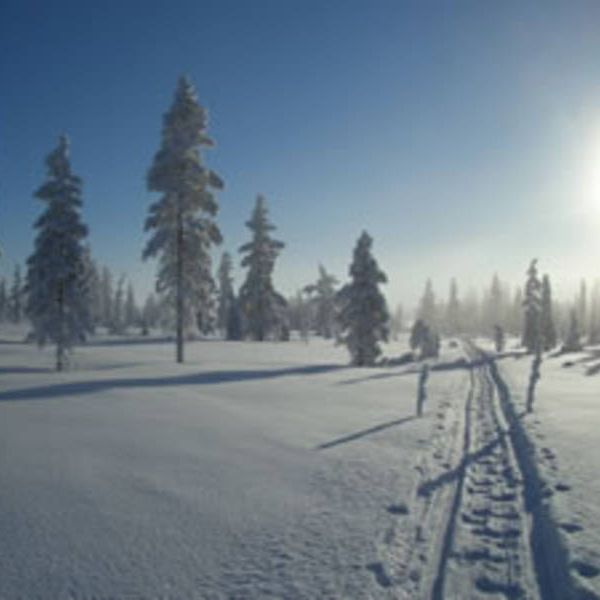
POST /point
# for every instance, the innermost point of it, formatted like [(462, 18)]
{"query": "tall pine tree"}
[(58, 294), (226, 295), (16, 296), (453, 309), (322, 295), (182, 221), (532, 304), (262, 307), (3, 300), (427, 308), (363, 316), (547, 327)]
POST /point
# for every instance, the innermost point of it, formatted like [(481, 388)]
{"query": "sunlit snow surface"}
[(253, 471)]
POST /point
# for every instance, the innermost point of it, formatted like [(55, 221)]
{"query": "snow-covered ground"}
[(274, 471), (565, 435)]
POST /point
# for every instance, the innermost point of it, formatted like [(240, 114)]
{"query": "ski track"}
[(478, 523)]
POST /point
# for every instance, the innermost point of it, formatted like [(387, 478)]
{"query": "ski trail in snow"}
[(414, 541), (478, 525), (488, 549)]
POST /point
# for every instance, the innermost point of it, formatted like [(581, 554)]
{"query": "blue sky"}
[(464, 136)]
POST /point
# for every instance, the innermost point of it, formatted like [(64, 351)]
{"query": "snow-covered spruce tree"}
[(363, 315), (516, 313), (3, 300), (182, 221), (106, 298), (322, 294), (418, 333), (95, 293), (452, 325), (427, 308), (594, 320), (206, 313), (131, 309), (263, 308), (572, 342), (581, 307), (499, 338), (235, 329), (493, 306), (547, 327), (226, 295), (58, 294), (397, 322), (117, 325), (532, 304), (15, 299)]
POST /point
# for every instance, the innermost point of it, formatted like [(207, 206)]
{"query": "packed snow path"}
[(478, 525)]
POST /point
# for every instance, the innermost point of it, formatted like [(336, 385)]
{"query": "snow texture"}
[(286, 474)]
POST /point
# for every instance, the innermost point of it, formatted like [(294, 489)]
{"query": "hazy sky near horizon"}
[(464, 136)]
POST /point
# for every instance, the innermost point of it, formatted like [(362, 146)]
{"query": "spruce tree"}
[(397, 322), (263, 308), (582, 307), (106, 298), (427, 308), (226, 295), (150, 314), (131, 310), (453, 309), (94, 285), (572, 341), (493, 310), (363, 316), (117, 325), (516, 313), (16, 297), (418, 333), (547, 327), (3, 300), (594, 320), (532, 304), (58, 293), (182, 221), (322, 295)]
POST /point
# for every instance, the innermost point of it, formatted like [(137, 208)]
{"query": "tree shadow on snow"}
[(10, 370), (460, 363), (80, 388), (127, 341), (364, 432)]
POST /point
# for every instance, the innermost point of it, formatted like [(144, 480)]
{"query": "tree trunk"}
[(179, 295)]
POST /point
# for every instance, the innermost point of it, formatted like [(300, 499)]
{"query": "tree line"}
[(66, 296)]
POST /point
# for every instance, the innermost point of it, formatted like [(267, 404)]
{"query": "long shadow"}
[(23, 370), (128, 341), (364, 432), (379, 376), (459, 363), (13, 342), (451, 475), (79, 388)]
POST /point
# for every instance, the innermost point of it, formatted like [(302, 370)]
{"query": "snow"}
[(272, 470), (564, 429)]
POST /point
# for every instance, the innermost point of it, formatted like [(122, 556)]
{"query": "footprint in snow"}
[(571, 527), (398, 509), (584, 569), (381, 577)]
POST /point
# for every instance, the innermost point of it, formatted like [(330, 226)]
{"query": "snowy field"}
[(275, 471)]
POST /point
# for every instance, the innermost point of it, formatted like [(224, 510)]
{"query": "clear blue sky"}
[(464, 136)]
